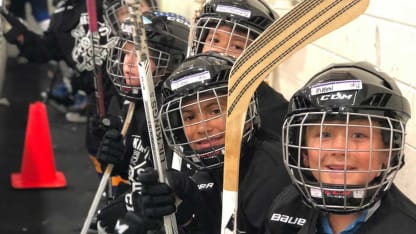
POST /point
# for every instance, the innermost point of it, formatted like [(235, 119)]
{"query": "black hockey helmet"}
[(200, 82), (338, 97), (166, 35), (246, 19)]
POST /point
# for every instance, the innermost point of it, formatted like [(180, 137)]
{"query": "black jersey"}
[(272, 108), (262, 177), (137, 141), (288, 214)]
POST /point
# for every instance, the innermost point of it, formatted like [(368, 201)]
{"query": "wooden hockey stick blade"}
[(106, 175), (305, 23)]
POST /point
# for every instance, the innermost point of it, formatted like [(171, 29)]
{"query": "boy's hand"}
[(98, 126), (111, 151), (154, 199)]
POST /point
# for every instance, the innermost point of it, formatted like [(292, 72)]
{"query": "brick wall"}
[(386, 36)]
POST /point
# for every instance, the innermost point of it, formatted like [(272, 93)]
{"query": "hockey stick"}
[(98, 77), (106, 175), (197, 5), (95, 38), (306, 22), (150, 102), (1, 19), (99, 94)]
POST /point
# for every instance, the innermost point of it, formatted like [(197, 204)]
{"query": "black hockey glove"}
[(153, 199), (108, 215), (181, 184), (112, 150), (13, 27), (132, 223), (98, 126)]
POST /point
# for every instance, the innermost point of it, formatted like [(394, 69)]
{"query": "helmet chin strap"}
[(344, 199), (205, 159)]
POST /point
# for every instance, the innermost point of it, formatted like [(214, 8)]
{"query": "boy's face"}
[(223, 40), (359, 153), (204, 121), (130, 68), (145, 7), (122, 13)]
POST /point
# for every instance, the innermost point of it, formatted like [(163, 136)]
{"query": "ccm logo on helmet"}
[(337, 96), (288, 219)]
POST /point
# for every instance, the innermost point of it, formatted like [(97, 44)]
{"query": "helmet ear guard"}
[(346, 92)]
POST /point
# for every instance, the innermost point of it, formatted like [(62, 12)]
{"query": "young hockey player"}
[(56, 44), (167, 42), (344, 139), (229, 26), (40, 11)]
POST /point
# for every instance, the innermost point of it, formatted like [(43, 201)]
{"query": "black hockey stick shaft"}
[(305, 23), (150, 102), (98, 76)]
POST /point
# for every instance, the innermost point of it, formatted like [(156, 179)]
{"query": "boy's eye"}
[(325, 134), (215, 40), (237, 47), (216, 111), (188, 117), (358, 135), (211, 39)]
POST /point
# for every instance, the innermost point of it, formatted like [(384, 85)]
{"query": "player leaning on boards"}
[(344, 139)]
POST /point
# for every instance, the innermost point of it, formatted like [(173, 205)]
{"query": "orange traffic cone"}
[(38, 165)]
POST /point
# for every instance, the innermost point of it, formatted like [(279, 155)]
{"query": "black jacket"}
[(272, 109), (288, 214)]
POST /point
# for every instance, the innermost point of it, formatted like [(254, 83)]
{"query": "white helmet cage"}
[(129, 86), (335, 98), (244, 21), (200, 79), (167, 42)]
